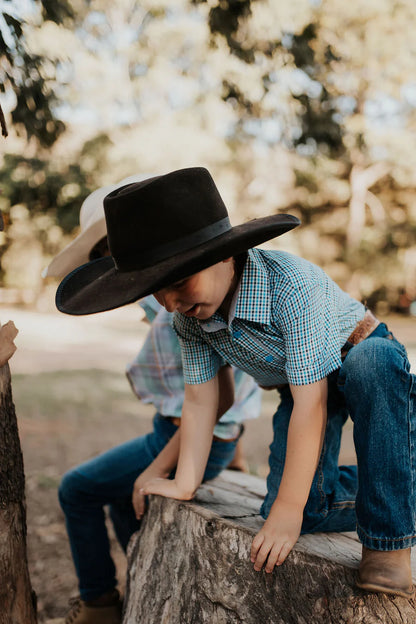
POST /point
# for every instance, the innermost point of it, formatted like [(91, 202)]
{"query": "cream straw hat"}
[(92, 229)]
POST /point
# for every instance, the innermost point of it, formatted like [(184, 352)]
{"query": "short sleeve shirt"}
[(156, 374), (287, 324)]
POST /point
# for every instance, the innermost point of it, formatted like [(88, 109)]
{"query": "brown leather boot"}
[(107, 609), (386, 571)]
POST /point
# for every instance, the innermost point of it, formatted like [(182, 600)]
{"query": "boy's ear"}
[(228, 259)]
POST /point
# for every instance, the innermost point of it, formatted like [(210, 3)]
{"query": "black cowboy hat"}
[(160, 231)]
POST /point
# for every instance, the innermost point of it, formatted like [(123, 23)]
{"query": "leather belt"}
[(175, 420), (362, 330)]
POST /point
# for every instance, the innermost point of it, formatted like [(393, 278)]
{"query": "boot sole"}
[(373, 587)]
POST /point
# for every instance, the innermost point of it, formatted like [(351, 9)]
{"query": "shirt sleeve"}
[(150, 307), (199, 360), (311, 336)]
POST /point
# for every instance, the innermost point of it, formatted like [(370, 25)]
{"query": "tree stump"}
[(190, 564), (16, 596)]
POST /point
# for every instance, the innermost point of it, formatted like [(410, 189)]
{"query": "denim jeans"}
[(377, 497), (108, 480)]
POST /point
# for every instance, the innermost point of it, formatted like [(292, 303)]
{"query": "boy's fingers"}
[(284, 551), (262, 556), (8, 333), (272, 558), (134, 503), (255, 545), (138, 505), (9, 330), (138, 502)]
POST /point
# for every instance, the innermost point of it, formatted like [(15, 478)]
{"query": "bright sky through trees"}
[(293, 104)]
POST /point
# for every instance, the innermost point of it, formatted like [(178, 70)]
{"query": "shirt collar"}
[(251, 300)]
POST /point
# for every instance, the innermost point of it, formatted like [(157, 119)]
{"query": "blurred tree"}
[(30, 77), (293, 105), (40, 201), (349, 110), (26, 182)]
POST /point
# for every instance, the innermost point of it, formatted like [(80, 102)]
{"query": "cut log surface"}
[(190, 564)]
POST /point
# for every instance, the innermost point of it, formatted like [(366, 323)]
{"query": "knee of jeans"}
[(68, 490), (370, 362)]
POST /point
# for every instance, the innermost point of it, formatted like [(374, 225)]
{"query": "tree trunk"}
[(190, 563), (17, 600)]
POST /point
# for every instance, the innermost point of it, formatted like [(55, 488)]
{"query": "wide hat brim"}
[(77, 251), (99, 286)]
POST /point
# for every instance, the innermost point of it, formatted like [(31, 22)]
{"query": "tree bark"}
[(190, 563), (17, 600)]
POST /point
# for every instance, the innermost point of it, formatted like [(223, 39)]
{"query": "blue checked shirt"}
[(287, 324), (156, 375)]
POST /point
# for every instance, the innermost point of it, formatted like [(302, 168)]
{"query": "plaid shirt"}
[(156, 375), (287, 323)]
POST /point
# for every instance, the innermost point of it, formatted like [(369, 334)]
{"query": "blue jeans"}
[(108, 480), (377, 497)]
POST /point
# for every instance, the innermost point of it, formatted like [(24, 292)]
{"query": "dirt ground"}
[(73, 401)]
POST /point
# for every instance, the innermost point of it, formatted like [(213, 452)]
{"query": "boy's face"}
[(201, 294)]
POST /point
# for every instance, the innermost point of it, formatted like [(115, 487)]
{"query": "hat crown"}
[(92, 209), (164, 215), (161, 230)]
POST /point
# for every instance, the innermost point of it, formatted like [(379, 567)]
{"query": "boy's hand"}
[(166, 487), (277, 537), (138, 496), (8, 333)]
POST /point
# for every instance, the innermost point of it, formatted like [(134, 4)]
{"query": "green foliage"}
[(274, 97), (338, 85), (40, 200), (57, 11), (50, 188), (34, 105), (34, 112), (318, 123), (318, 115), (224, 19), (36, 184)]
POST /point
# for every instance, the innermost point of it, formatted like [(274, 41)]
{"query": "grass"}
[(88, 393)]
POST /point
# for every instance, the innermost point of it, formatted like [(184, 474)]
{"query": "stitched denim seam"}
[(386, 539), (344, 505), (322, 511)]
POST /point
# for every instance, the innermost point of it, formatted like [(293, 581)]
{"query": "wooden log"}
[(190, 564), (17, 601)]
